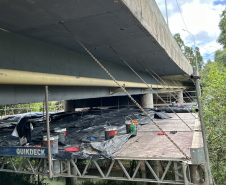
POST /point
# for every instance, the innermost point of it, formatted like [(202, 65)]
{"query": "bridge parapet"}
[(151, 19)]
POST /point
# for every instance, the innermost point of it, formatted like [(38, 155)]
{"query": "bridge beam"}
[(28, 65)]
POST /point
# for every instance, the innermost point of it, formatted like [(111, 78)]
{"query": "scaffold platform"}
[(146, 146)]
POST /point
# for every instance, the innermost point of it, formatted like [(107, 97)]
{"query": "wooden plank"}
[(183, 116), (197, 125), (169, 125), (197, 140), (149, 145)]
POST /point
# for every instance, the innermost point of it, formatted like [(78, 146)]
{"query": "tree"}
[(220, 56), (209, 61), (189, 53), (222, 26), (179, 40), (199, 59), (214, 107), (31, 107), (206, 71), (214, 113)]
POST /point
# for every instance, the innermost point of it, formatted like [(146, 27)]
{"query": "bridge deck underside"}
[(97, 24), (148, 145)]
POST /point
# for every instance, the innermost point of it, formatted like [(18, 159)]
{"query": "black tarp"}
[(81, 126), (177, 108)]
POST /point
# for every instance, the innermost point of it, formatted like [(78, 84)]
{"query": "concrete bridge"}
[(35, 50)]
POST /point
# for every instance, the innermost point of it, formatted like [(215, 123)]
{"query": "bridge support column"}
[(195, 173), (56, 167), (148, 174), (69, 105), (72, 180), (180, 98), (147, 102)]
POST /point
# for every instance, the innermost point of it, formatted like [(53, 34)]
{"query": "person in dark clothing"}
[(24, 129)]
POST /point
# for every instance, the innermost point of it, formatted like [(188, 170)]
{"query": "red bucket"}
[(110, 132)]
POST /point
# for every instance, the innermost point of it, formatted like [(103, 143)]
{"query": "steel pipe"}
[(15, 77), (48, 132), (209, 181)]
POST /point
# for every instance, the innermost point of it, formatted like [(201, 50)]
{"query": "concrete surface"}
[(136, 31), (33, 40)]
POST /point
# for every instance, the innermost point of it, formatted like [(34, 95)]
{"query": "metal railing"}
[(9, 110)]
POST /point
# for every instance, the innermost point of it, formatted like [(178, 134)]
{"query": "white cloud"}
[(171, 6), (201, 17), (202, 36)]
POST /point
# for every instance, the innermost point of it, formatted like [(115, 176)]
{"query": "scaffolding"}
[(64, 168), (39, 161)]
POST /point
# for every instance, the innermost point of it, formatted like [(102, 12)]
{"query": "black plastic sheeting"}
[(161, 115), (81, 126), (176, 109), (91, 124)]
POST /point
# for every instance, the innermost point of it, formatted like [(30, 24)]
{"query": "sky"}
[(201, 18)]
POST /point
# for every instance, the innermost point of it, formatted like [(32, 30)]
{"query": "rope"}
[(186, 156), (163, 85), (177, 85), (151, 88), (184, 90), (160, 77)]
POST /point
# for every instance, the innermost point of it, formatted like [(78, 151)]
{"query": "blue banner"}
[(38, 152)]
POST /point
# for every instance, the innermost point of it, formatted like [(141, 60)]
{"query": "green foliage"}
[(24, 108), (220, 56), (209, 61), (179, 40), (214, 113), (205, 71), (189, 53), (16, 179), (222, 26), (199, 59)]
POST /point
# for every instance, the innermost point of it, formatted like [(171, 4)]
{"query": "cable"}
[(150, 88), (163, 85), (178, 85), (184, 90), (167, 84), (190, 98), (182, 17)]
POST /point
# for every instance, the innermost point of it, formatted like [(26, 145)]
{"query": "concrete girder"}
[(40, 45)]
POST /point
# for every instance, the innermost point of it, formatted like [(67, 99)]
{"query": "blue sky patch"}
[(217, 2), (207, 56)]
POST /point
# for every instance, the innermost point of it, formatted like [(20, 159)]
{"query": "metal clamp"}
[(195, 77), (197, 155)]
